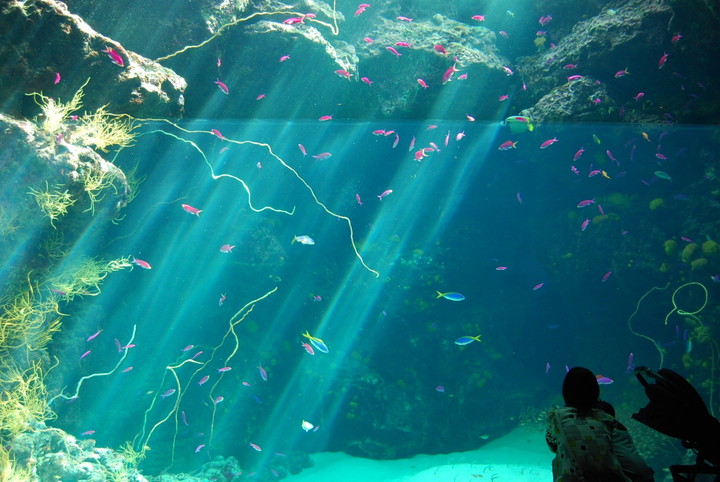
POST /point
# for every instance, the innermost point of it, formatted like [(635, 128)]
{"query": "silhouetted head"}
[(580, 388), (605, 407)]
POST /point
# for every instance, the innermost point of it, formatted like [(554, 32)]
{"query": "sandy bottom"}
[(521, 455)]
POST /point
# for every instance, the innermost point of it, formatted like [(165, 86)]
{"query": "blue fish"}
[(466, 340), (452, 296)]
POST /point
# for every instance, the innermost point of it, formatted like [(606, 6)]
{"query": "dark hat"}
[(580, 388)]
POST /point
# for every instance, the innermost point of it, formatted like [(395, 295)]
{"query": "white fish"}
[(304, 240)]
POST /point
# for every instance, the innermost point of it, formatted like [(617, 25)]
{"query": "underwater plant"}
[(95, 181), (53, 204), (23, 400), (84, 277), (9, 222), (55, 114), (102, 129)]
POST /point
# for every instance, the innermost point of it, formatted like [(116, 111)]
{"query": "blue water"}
[(449, 223)]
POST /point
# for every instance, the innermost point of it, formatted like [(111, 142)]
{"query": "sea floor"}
[(521, 455)]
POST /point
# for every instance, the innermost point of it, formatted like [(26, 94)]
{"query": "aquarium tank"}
[(331, 240)]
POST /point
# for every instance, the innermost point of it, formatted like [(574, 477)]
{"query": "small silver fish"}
[(304, 240)]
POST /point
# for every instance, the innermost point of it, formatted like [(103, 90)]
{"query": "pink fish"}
[(222, 299), (199, 448), (440, 48), (57, 78), (343, 73), (404, 19), (422, 83), (639, 96), (396, 141), (586, 203), (385, 194), (114, 56), (184, 418), (573, 78), (676, 38), (448, 74), (203, 379), (507, 145), (187, 348), (218, 400), (263, 373), (85, 354), (570, 66), (463, 77), (662, 157), (503, 98), (127, 369), (302, 149), (686, 239), (366, 80), (538, 286), (226, 248), (322, 156), (393, 51), (663, 59), (88, 432), (308, 348), (578, 154), (143, 264), (284, 58), (261, 96), (610, 155), (412, 144), (459, 135), (222, 86), (95, 335), (606, 276), (224, 369), (621, 73), (548, 143), (217, 133), (447, 138), (584, 225), (256, 447), (379, 132), (630, 365), (325, 118), (602, 380), (368, 40), (293, 20), (501, 268), (402, 44), (357, 198), (508, 71), (189, 209), (478, 18)]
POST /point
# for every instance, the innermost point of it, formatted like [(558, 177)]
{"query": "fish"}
[(316, 342), (573, 78), (606, 276), (518, 123), (57, 78), (366, 80), (466, 340), (284, 58), (586, 203), (404, 19), (308, 348), (584, 225), (548, 143), (218, 400), (307, 426), (222, 299), (85, 354), (303, 239), (218, 134), (189, 209), (302, 149), (603, 380), (143, 264), (263, 373), (222, 86), (115, 57), (422, 83), (343, 73), (402, 44), (261, 96), (167, 393), (393, 51), (203, 379), (256, 447), (88, 432), (226, 248), (662, 175), (507, 145), (478, 18), (449, 73), (199, 448), (224, 369), (322, 156), (440, 389), (440, 48), (127, 369), (630, 366), (663, 59), (357, 198), (578, 154), (95, 335), (621, 73), (325, 118), (450, 295), (538, 286), (385, 194)]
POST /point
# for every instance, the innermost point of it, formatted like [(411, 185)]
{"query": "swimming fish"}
[(302, 239), (466, 340), (316, 342), (451, 295), (519, 123)]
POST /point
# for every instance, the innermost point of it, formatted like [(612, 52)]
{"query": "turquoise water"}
[(450, 222)]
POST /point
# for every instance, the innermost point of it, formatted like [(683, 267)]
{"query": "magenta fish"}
[(385, 194), (222, 86), (606, 276), (167, 393), (586, 203), (114, 56), (548, 143)]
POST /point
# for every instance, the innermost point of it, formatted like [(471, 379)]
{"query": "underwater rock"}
[(583, 99), (140, 87), (595, 44)]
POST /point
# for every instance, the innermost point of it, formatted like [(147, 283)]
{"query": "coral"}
[(699, 263), (94, 182), (656, 203), (53, 204), (102, 129), (688, 252), (670, 247), (710, 248)]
